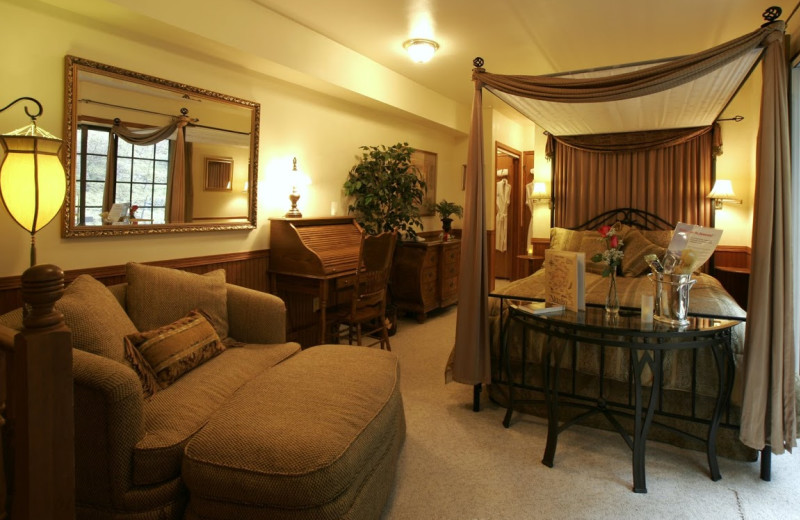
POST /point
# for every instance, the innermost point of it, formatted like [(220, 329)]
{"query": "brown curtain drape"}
[(769, 408), (470, 361), (666, 172), (176, 185)]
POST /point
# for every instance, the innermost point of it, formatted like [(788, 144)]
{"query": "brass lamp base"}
[(294, 212)]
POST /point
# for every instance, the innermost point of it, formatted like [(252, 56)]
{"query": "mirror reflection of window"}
[(140, 176)]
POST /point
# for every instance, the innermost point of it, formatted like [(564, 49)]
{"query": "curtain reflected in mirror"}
[(175, 157)]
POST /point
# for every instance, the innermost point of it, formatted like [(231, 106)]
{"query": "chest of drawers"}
[(425, 276)]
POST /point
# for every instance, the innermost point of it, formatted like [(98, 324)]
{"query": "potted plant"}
[(444, 209), (386, 190)]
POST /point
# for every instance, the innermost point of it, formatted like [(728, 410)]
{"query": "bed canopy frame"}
[(768, 412)]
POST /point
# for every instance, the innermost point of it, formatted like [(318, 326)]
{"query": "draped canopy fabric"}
[(768, 410)]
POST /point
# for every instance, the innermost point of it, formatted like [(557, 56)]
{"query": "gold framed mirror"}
[(140, 142)]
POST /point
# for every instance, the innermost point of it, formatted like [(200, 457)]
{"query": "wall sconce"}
[(32, 180), (539, 194), (723, 192), (297, 178), (420, 50)]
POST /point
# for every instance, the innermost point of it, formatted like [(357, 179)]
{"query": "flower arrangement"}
[(613, 254)]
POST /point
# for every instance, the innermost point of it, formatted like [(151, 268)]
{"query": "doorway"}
[(507, 210)]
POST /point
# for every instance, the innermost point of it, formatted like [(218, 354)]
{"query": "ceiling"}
[(532, 37)]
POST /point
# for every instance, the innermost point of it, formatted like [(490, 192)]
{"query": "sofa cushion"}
[(157, 296), (95, 317), (161, 356), (301, 439), (175, 413)]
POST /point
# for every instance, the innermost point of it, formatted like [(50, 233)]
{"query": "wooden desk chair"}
[(365, 315)]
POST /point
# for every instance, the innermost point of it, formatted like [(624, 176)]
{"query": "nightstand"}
[(735, 280), (534, 262)]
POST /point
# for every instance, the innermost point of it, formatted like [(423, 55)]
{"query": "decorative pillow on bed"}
[(660, 237), (635, 248), (163, 355), (592, 245), (561, 238)]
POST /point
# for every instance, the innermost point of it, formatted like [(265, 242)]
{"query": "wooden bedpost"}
[(40, 459)]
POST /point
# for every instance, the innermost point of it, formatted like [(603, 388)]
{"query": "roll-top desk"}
[(425, 276), (311, 261)]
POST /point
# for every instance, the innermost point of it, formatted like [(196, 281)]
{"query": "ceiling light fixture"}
[(420, 50)]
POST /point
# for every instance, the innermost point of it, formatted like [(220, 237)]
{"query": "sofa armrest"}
[(255, 316), (108, 424)]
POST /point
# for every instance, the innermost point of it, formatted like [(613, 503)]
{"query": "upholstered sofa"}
[(240, 423)]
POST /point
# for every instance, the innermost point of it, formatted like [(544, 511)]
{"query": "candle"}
[(647, 307)]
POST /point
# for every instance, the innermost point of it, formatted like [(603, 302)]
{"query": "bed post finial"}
[(478, 62), (771, 14)]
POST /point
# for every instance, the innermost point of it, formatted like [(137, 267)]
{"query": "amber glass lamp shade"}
[(32, 180)]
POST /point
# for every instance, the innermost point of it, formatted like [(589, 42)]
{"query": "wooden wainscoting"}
[(248, 269)]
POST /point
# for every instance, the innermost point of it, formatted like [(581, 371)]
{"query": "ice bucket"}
[(671, 301)]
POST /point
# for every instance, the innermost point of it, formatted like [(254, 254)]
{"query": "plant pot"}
[(446, 223)]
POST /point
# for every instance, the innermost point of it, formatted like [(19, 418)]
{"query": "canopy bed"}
[(610, 103)]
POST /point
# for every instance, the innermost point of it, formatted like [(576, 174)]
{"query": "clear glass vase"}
[(612, 301)]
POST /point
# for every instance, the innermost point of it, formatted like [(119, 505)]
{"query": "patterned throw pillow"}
[(636, 247), (163, 355)]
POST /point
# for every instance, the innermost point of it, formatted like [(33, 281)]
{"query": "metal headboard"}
[(629, 216)]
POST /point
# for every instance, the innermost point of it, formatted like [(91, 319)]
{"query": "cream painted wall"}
[(323, 132), (738, 162)]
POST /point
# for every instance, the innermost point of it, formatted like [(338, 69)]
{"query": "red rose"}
[(613, 241), (604, 230)]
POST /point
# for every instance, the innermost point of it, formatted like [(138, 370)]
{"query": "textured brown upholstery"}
[(157, 296), (336, 443), (314, 437)]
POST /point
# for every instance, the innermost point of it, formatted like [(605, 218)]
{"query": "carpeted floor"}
[(458, 464)]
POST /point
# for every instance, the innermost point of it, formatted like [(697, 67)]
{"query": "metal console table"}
[(647, 341)]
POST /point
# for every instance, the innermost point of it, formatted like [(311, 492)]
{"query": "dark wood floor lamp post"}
[(37, 470)]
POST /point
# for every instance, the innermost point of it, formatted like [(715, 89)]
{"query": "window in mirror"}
[(219, 173), (138, 176)]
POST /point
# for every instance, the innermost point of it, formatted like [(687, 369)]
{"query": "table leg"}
[(507, 358), (642, 427), (550, 385), (723, 356)]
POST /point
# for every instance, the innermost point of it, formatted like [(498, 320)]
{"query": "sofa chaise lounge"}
[(241, 425)]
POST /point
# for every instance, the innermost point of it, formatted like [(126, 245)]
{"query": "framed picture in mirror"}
[(425, 163), (219, 174)]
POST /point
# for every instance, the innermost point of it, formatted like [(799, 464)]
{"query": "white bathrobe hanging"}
[(501, 219)]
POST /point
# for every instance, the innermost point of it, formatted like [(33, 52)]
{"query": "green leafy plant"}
[(386, 190), (444, 209)]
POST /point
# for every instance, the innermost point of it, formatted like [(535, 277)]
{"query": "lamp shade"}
[(723, 189), (32, 181)]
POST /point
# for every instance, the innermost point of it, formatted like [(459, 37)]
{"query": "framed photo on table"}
[(426, 165)]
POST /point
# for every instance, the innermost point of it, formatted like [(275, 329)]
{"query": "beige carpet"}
[(458, 464)]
